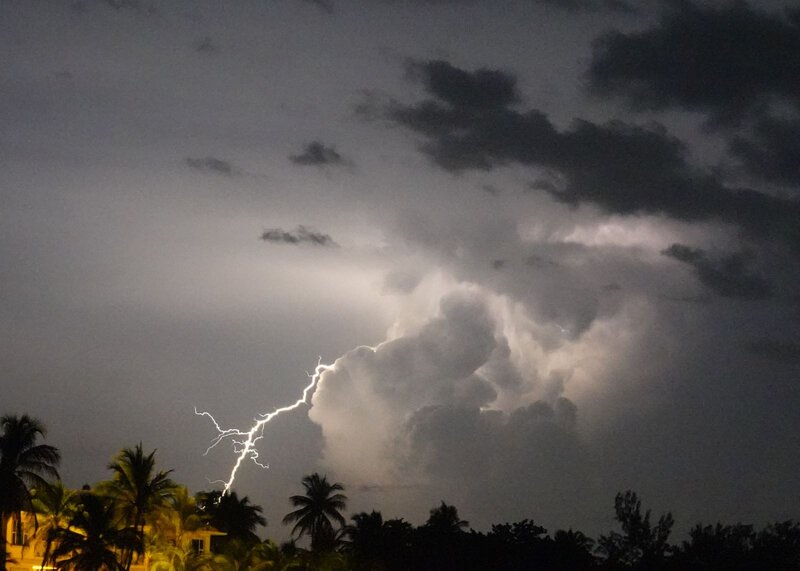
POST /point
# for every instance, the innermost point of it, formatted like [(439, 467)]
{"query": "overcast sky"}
[(550, 248)]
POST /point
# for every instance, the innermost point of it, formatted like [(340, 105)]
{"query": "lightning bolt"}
[(244, 442)]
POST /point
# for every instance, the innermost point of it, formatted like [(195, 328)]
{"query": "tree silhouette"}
[(571, 550), (444, 519), (93, 538), (521, 532), (640, 545), (53, 505), (442, 544), (777, 546), (317, 511), (378, 544), (718, 547), (101, 530), (24, 465), (235, 516), (138, 488)]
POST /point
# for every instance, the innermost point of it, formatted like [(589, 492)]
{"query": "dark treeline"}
[(639, 543), (140, 517)]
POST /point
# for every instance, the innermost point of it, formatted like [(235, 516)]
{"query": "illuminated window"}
[(17, 536)]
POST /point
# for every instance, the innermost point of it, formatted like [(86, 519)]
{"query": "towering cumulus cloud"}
[(380, 388), (422, 409)]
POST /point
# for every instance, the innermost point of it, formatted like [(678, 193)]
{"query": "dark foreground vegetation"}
[(141, 517)]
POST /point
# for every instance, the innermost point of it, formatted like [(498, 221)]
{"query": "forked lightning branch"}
[(244, 442)]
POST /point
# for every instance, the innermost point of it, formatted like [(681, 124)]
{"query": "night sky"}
[(551, 247)]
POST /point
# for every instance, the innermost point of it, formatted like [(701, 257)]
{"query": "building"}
[(26, 548)]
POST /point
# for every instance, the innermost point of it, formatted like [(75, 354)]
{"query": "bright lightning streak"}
[(244, 442)]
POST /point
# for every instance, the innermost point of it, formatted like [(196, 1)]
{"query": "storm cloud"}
[(435, 366), (728, 276), (426, 396), (471, 123), (318, 154), (297, 237), (575, 6), (770, 151), (505, 317), (725, 61)]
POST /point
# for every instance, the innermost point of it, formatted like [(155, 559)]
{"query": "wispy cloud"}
[(324, 5), (206, 45), (319, 154), (212, 164), (297, 237)]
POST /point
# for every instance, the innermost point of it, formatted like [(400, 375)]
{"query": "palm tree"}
[(365, 535), (572, 550), (185, 515), (317, 511), (227, 512), (23, 465), (239, 555), (376, 543), (445, 519), (278, 557), (93, 539), (167, 545), (53, 505), (138, 488)]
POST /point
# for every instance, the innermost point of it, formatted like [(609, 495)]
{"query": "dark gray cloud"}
[(772, 151), (206, 45), (481, 89), (610, 6), (212, 165), (324, 5), (728, 276), (724, 61), (469, 123), (123, 3), (299, 236), (319, 154), (485, 451), (780, 351), (136, 5)]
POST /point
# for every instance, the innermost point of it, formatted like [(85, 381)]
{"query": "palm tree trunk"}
[(3, 543), (46, 557), (128, 556)]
